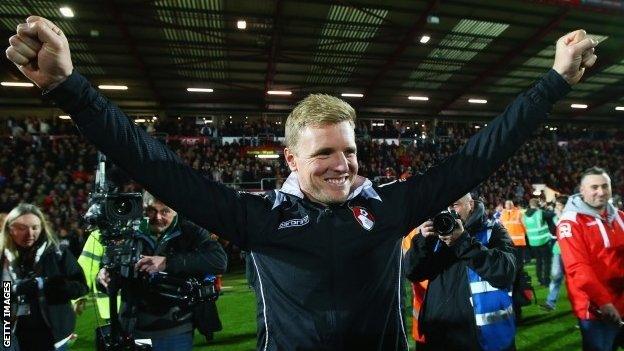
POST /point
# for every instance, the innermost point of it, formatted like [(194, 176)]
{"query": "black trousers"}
[(543, 260)]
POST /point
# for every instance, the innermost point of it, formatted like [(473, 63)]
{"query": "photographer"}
[(44, 278), (181, 249), (476, 264)]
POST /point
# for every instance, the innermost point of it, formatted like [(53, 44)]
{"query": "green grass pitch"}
[(543, 331)]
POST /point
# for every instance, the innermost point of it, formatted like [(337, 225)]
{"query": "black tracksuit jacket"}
[(325, 282)]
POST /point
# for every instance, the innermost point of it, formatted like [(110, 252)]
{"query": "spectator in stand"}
[(45, 167)]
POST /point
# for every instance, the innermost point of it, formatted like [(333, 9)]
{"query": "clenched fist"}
[(574, 53), (41, 52)]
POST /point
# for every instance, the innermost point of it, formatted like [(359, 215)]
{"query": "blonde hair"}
[(316, 110), (6, 241)]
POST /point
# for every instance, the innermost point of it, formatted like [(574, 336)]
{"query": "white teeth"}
[(337, 181)]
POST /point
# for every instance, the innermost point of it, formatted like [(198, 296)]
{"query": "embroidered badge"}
[(365, 218), (565, 230)]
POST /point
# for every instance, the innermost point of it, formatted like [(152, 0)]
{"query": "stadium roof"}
[(485, 49)]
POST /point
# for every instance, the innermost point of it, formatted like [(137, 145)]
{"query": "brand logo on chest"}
[(296, 222), (363, 217)]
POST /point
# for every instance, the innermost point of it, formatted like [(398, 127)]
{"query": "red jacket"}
[(592, 248)]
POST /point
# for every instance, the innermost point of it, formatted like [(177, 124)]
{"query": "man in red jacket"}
[(591, 236)]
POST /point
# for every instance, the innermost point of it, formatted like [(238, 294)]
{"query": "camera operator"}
[(181, 249), (476, 264), (44, 276)]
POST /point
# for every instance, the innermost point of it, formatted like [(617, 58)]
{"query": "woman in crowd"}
[(44, 278)]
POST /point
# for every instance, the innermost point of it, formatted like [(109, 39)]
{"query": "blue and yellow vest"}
[(494, 315)]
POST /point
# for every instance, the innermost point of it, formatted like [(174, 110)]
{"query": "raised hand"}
[(41, 52), (103, 277), (574, 52)]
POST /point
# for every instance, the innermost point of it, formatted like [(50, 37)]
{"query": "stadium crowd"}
[(57, 166)]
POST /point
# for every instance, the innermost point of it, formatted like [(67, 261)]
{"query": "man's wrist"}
[(562, 74), (53, 85)]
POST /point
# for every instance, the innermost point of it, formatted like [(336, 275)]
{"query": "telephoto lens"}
[(444, 223)]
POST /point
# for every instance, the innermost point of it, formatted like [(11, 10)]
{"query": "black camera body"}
[(114, 214), (445, 222), (118, 217), (190, 291)]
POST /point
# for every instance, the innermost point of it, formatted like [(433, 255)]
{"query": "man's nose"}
[(340, 162)]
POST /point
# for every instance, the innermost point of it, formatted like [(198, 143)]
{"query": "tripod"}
[(113, 337)]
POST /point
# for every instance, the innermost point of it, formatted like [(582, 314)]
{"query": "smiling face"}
[(596, 190), (25, 230), (325, 160), (160, 217)]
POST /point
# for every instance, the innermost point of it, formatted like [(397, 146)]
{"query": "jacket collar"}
[(576, 204), (366, 189), (477, 219), (172, 231)]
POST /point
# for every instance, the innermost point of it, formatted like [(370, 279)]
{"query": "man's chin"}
[(335, 197), (599, 205)]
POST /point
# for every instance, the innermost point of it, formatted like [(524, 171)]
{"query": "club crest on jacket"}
[(364, 217)]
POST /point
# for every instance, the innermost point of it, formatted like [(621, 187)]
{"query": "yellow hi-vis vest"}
[(89, 261)]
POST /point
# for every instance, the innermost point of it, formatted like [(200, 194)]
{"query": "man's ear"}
[(290, 159)]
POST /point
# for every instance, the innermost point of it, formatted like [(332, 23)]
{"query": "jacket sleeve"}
[(495, 263), (420, 261), (421, 196), (577, 262), (152, 164), (70, 284), (548, 215), (207, 256)]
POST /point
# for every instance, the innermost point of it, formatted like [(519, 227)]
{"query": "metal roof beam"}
[(131, 43), (408, 39), (537, 37), (275, 40)]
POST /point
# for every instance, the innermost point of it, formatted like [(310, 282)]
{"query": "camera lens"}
[(122, 207), (444, 223)]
